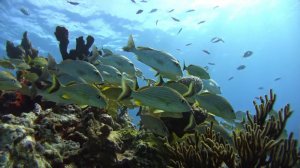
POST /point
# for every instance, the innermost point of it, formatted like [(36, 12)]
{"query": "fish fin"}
[(130, 45), (136, 84), (184, 67), (126, 91), (148, 83), (65, 96), (190, 91), (104, 88), (140, 111), (160, 81), (70, 83), (51, 62), (55, 85), (158, 111), (138, 103), (191, 124)]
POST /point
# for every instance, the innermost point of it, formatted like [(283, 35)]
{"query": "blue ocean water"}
[(271, 29)]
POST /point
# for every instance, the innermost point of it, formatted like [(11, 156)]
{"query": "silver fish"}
[(164, 63)]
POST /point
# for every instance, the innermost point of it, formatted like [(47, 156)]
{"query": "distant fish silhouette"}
[(215, 7), (144, 1), (175, 19), (171, 10), (205, 51), (201, 22), (241, 67), (247, 54), (277, 79), (261, 88), (257, 98), (188, 44), (179, 31), (191, 10), (153, 10), (156, 22), (24, 11), (216, 40), (73, 3), (211, 63), (230, 78), (139, 11), (133, 1), (178, 49)]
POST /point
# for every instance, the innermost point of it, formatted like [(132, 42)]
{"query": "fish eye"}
[(98, 97), (182, 100)]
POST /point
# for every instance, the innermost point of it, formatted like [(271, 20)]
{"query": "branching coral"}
[(274, 127), (253, 146), (206, 150), (258, 145)]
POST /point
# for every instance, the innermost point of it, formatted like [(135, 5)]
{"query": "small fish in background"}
[(257, 98), (178, 49), (139, 11), (230, 78), (215, 7), (153, 10), (175, 19), (260, 88), (277, 79), (73, 3), (216, 40), (156, 22), (247, 54), (188, 44), (211, 63), (133, 1), (179, 31), (24, 11), (205, 51), (203, 21), (191, 10), (144, 1), (171, 10), (241, 67)]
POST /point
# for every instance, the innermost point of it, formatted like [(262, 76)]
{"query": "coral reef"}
[(208, 150), (38, 133), (21, 51), (82, 49), (258, 145)]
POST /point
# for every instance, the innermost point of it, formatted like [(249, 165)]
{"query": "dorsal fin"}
[(184, 67)]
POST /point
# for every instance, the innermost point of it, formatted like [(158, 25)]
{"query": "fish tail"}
[(126, 90), (130, 45), (192, 123), (190, 91), (55, 85)]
